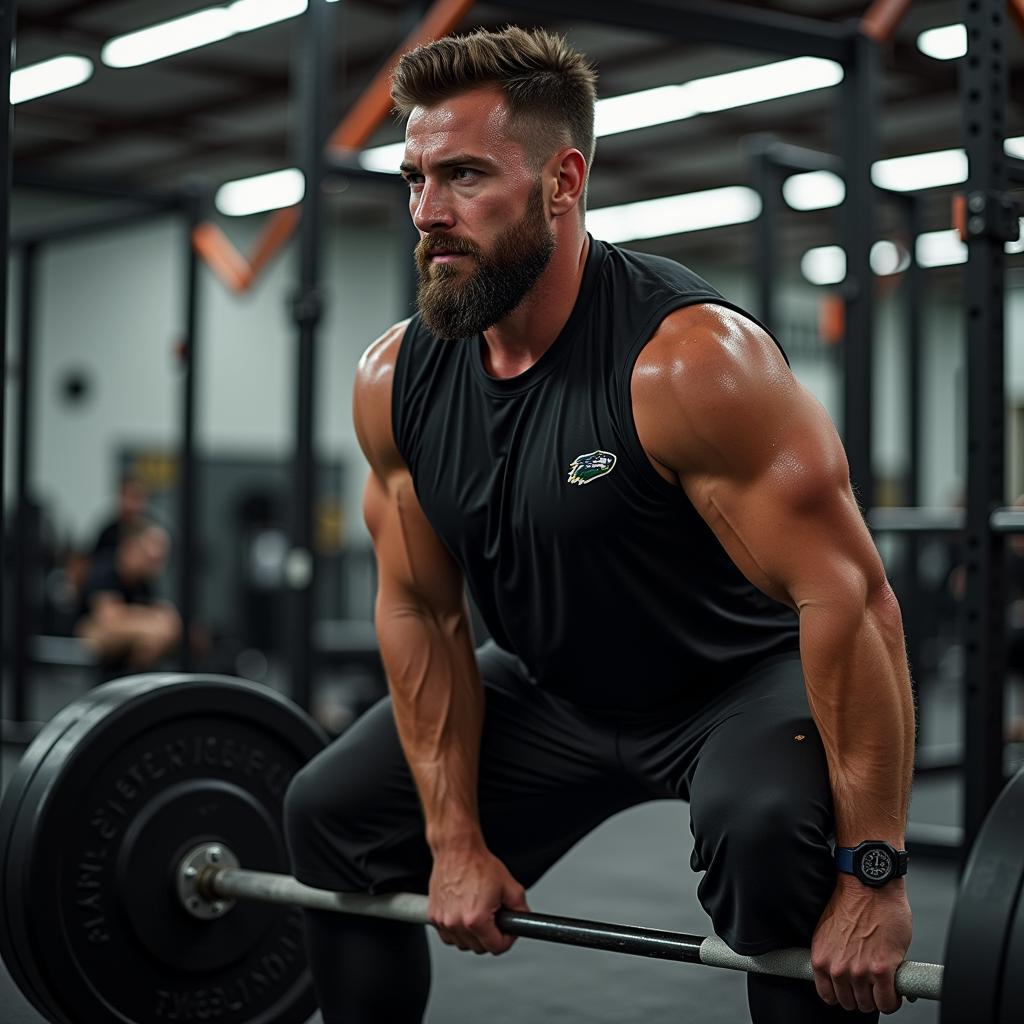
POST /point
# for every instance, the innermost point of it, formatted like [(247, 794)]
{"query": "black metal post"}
[(188, 495), (7, 27), (311, 74), (858, 108), (25, 532), (913, 298), (768, 182), (983, 84)]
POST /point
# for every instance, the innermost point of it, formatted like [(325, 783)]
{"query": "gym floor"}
[(633, 870)]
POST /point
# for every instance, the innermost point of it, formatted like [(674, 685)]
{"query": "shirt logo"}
[(586, 468)]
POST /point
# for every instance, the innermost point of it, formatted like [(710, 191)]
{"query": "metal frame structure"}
[(8, 13), (991, 221)]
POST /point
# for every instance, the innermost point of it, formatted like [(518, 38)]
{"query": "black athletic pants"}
[(750, 765)]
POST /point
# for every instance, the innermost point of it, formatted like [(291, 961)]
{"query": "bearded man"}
[(656, 522)]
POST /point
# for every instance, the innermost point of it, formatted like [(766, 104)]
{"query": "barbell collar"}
[(913, 980)]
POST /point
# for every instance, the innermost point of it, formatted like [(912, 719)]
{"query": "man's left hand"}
[(860, 941)]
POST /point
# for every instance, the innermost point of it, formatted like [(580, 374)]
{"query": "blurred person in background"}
[(119, 615), (132, 501)]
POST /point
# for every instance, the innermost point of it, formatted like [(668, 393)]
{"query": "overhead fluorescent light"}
[(945, 43), (168, 38), (767, 82), (48, 76), (889, 258), (826, 264), (816, 190), (940, 248), (260, 193), (1015, 147), (673, 215), (383, 158), (667, 103), (922, 170), (201, 28)]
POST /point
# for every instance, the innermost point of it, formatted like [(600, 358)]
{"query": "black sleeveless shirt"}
[(584, 562)]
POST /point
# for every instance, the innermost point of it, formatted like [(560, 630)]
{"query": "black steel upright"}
[(7, 24), (188, 495), (311, 74), (857, 110), (983, 85), (768, 182), (913, 298), (25, 520)]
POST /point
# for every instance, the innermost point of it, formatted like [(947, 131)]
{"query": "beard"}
[(454, 308)]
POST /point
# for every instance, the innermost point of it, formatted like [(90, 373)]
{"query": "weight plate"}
[(12, 936), (987, 905), (1012, 1000), (157, 765)]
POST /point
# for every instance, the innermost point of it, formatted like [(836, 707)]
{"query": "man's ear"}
[(568, 169)]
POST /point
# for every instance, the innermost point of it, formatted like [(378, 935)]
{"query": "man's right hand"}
[(468, 886)]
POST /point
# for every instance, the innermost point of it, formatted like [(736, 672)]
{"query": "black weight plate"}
[(1012, 1000), (95, 846), (986, 907), (12, 930)]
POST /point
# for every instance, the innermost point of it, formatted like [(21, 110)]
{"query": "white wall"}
[(110, 306)]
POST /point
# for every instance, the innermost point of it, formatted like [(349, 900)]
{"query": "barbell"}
[(126, 823)]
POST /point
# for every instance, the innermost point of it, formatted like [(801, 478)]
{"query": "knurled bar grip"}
[(913, 980)]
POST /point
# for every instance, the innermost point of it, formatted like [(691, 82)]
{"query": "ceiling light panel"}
[(201, 28), (261, 193), (948, 42), (672, 215), (49, 76)]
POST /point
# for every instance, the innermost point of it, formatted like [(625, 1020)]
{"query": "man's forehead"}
[(477, 119)]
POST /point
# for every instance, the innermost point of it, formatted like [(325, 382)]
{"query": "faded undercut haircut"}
[(550, 88)]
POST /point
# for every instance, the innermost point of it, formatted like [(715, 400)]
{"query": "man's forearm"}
[(858, 687), (438, 704)]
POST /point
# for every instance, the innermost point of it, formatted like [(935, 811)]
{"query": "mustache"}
[(446, 243)]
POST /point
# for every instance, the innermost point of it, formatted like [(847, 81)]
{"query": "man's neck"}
[(520, 339)]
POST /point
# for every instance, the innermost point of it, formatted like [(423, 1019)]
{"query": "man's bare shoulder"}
[(371, 400), (716, 341), (377, 363), (710, 380)]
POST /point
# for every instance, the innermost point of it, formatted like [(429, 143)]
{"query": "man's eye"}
[(464, 172), (414, 179)]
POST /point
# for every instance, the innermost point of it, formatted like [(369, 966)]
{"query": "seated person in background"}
[(119, 617), (132, 499)]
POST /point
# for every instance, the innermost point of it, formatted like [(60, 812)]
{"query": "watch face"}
[(876, 865)]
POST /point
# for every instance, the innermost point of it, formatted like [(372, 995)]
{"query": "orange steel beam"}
[(375, 103), (1017, 14), (353, 132), (882, 19)]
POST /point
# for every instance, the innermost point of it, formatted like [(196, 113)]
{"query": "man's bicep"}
[(414, 566)]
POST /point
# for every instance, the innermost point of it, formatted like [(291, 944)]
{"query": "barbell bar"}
[(208, 879), (124, 828)]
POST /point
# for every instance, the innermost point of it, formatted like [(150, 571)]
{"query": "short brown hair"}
[(549, 87)]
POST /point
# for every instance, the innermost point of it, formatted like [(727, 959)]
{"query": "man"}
[(132, 499), (119, 617), (656, 523)]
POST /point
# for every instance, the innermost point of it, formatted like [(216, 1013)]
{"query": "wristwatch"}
[(872, 862)]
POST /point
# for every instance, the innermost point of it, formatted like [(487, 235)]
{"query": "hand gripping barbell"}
[(126, 822)]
